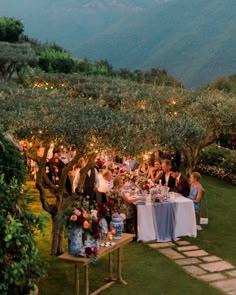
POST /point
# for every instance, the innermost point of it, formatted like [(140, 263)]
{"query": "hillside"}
[(194, 40)]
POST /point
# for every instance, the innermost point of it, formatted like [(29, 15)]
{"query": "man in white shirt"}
[(105, 184), (166, 178)]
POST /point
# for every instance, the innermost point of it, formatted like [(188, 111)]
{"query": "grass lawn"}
[(147, 271)]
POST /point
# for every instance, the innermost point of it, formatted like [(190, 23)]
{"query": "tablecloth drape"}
[(164, 218), (185, 221)]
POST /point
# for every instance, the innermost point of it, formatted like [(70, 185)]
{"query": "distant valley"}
[(194, 40)]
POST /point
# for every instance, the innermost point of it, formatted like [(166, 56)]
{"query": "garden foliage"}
[(20, 265)]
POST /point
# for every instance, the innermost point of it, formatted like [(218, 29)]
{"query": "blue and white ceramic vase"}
[(118, 224), (103, 225), (91, 242), (75, 241)]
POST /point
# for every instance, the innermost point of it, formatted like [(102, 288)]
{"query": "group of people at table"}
[(109, 185)]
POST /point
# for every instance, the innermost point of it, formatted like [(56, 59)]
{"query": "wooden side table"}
[(83, 261)]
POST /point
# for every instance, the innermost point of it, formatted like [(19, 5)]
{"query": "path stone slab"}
[(231, 273), (197, 253), (212, 277), (182, 243), (172, 254), (188, 261), (217, 266), (187, 248), (194, 270), (227, 286), (211, 258), (161, 245)]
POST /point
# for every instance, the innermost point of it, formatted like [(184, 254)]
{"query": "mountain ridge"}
[(193, 40)]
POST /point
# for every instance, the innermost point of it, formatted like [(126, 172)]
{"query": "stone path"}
[(198, 263)]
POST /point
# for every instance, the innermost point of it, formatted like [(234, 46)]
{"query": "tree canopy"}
[(10, 29), (192, 120), (14, 57), (96, 113)]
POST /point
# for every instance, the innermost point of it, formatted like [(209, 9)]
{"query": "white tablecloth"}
[(185, 220)]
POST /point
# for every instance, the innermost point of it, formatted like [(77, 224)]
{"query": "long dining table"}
[(167, 220)]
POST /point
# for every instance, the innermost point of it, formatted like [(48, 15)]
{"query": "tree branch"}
[(68, 167), (47, 207)]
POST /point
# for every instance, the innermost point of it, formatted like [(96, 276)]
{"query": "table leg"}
[(110, 268), (119, 266), (76, 279), (86, 279)]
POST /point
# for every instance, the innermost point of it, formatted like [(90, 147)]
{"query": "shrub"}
[(218, 162), (55, 61), (20, 265), (215, 155), (218, 172)]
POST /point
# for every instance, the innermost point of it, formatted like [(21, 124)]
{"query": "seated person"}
[(154, 157), (181, 182), (124, 204), (166, 178), (132, 164), (143, 168), (196, 190), (156, 172)]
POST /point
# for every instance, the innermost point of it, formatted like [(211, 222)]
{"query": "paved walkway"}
[(198, 263)]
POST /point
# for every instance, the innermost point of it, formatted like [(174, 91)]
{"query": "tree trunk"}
[(191, 156), (191, 163), (57, 235)]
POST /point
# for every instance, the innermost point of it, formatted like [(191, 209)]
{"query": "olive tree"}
[(15, 57), (42, 117), (192, 120)]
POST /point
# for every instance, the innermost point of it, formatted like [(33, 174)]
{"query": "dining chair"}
[(198, 212)]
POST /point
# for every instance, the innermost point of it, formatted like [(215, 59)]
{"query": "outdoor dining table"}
[(85, 262), (155, 225)]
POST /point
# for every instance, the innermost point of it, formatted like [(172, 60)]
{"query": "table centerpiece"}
[(82, 229)]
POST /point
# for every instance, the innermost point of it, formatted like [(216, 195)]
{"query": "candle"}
[(110, 236), (113, 231)]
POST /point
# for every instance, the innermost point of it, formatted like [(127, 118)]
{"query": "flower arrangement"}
[(143, 184), (126, 177), (88, 221), (104, 209), (122, 170), (133, 178), (116, 170), (83, 231)]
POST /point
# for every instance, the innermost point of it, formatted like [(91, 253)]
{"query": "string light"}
[(145, 157), (48, 84)]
